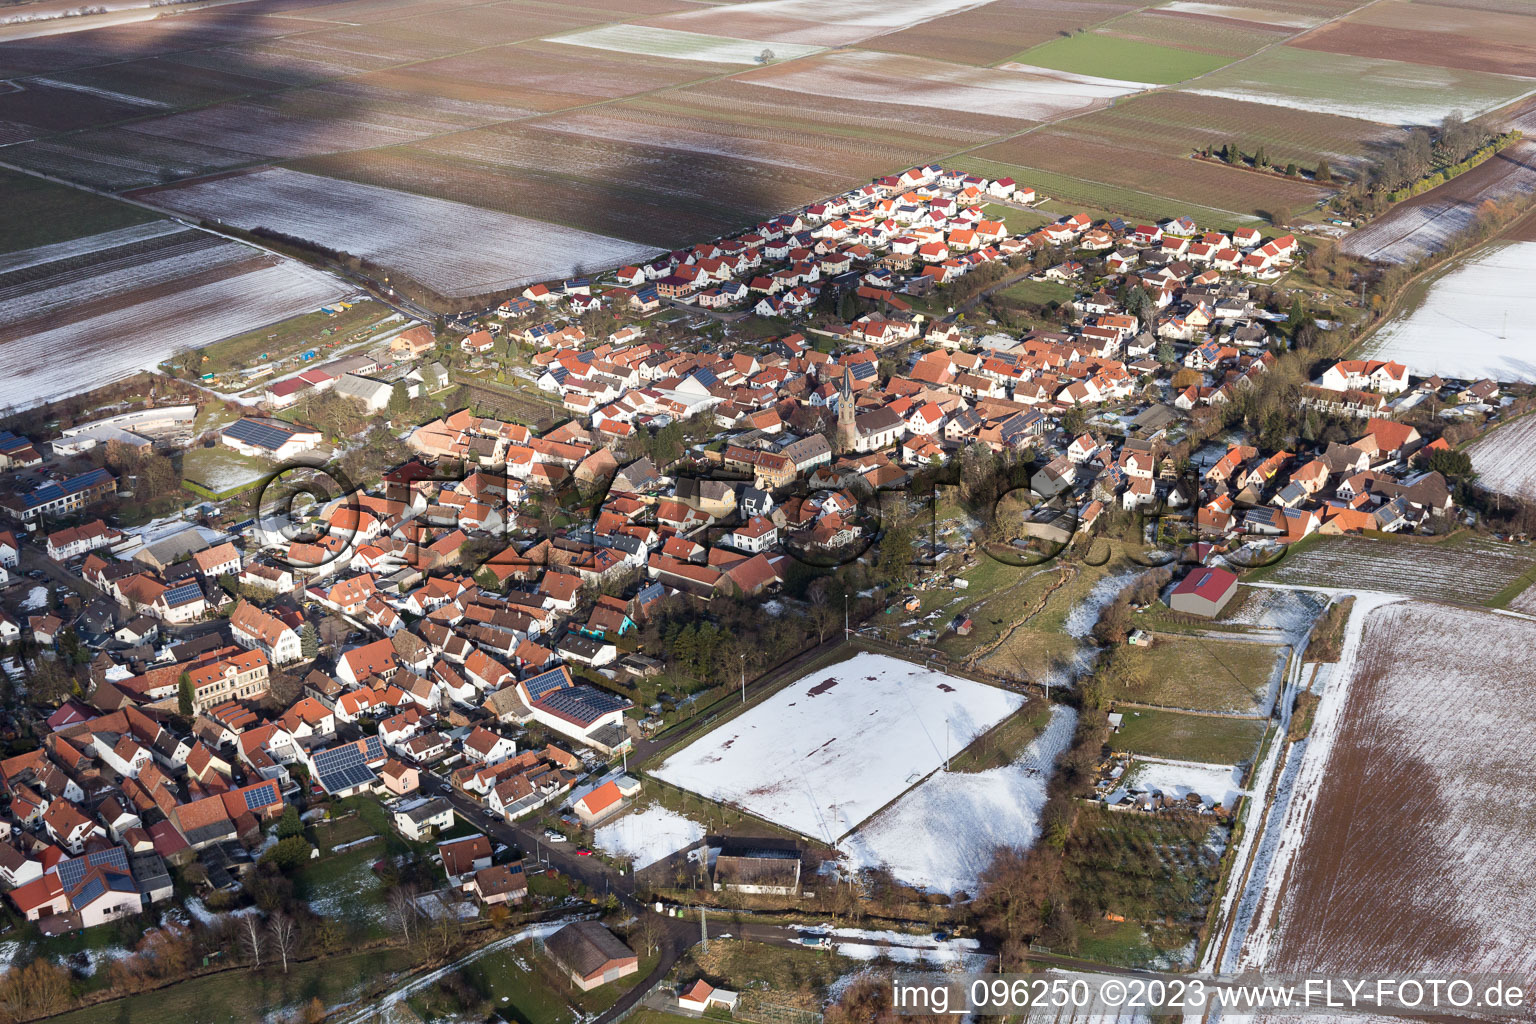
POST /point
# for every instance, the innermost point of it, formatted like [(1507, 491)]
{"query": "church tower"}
[(847, 430)]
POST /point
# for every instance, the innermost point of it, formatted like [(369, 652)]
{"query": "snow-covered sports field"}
[(833, 747)]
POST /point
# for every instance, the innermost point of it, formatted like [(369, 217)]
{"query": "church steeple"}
[(847, 430)]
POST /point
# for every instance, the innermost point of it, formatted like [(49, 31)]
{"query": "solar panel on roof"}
[(259, 797), (90, 891), (583, 703), (183, 594), (543, 683), (262, 435)]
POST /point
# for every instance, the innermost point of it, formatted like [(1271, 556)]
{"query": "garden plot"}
[(1374, 89), (832, 748), (666, 42), (941, 836), (1505, 460), (1472, 321), (647, 836), (1473, 570), (1213, 783), (1016, 91), (1406, 847), (453, 248)]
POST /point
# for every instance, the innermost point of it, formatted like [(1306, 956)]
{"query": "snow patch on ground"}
[(941, 835), (820, 23), (1213, 783), (666, 42), (1253, 14), (1473, 322), (872, 944), (647, 836), (830, 749), (1010, 90), (36, 600)]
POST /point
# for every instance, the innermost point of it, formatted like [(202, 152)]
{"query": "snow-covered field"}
[(833, 747), (1472, 323), (1505, 460), (817, 22), (84, 327), (1280, 19), (1010, 90), (1413, 229), (1406, 843), (451, 247), (647, 836), (942, 834), (667, 42)]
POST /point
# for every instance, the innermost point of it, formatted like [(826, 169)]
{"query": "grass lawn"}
[(1003, 744), (1188, 737), (1038, 293), (786, 976), (248, 997), (1079, 194), (221, 471), (1204, 674), (38, 212), (1091, 53), (1019, 222), (1114, 942), (507, 980)]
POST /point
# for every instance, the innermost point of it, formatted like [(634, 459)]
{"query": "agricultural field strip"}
[(1384, 720), (675, 43), (1426, 223), (84, 247), (1465, 571), (605, 101), (106, 346), (1505, 460), (384, 224), (25, 304)]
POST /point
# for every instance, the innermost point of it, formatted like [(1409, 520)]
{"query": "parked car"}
[(583, 852), (553, 836)]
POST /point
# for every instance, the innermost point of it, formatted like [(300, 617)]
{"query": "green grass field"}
[(1038, 293), (248, 997), (1188, 737), (1005, 743), (1083, 195), (1019, 222), (1130, 60), (37, 212), (1203, 674)]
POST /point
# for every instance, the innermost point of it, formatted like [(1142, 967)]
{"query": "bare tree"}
[(403, 910), (251, 935), (650, 932), (285, 936)]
